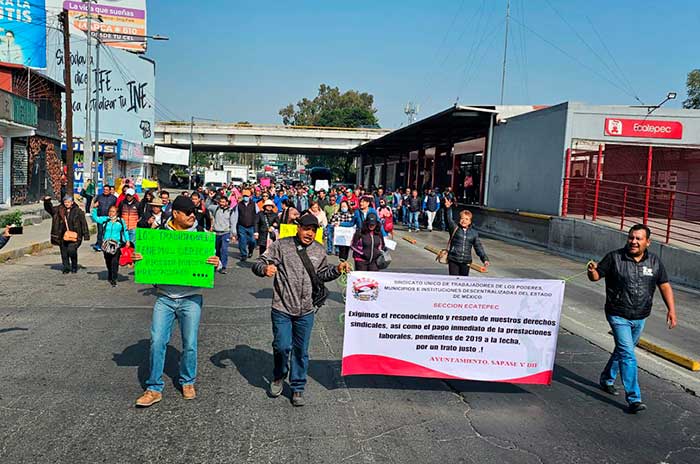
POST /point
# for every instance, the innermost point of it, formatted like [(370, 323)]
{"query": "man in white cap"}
[(129, 212)]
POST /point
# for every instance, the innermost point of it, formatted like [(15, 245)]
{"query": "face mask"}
[(344, 209), (246, 199)]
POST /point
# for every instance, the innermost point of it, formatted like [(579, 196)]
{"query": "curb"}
[(32, 248), (675, 358)]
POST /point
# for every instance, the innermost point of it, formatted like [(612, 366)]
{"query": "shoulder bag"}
[(319, 291), (69, 235)]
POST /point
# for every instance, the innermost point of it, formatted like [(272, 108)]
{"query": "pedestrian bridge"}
[(257, 138)]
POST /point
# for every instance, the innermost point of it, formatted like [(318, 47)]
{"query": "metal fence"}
[(671, 213)]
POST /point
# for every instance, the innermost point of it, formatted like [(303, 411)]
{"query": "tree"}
[(693, 85), (331, 108)]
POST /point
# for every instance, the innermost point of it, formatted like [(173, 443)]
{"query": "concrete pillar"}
[(455, 169), (384, 172)]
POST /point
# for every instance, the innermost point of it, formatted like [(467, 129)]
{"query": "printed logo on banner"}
[(365, 289)]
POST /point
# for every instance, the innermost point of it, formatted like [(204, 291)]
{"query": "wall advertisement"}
[(23, 32), (496, 330)]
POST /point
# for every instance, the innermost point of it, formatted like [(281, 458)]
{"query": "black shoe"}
[(243, 259), (634, 408), (609, 389), (298, 399), (66, 271), (222, 270), (74, 271), (113, 283)]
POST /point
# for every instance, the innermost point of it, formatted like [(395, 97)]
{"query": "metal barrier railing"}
[(622, 204)]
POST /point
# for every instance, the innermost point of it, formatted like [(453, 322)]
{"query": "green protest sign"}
[(173, 257)]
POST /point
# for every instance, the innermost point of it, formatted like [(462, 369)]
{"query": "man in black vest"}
[(631, 276)]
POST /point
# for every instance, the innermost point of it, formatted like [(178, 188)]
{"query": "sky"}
[(244, 60)]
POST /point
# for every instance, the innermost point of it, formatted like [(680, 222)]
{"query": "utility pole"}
[(87, 142), (189, 174), (505, 51), (69, 101), (96, 175)]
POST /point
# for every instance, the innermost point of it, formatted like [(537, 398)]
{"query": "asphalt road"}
[(75, 355)]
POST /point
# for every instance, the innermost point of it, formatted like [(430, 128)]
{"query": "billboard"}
[(165, 155), (122, 22), (23, 33), (129, 151), (126, 84)]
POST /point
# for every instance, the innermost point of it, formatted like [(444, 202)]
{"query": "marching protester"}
[(330, 209), (165, 198), (144, 207), (363, 211), (386, 216), (156, 217), (289, 214), (175, 302), (367, 244), (632, 274), (114, 238), (316, 210), (297, 264), (201, 213), (68, 230), (128, 210), (343, 218), (463, 238), (265, 227), (224, 221), (413, 206), (103, 202), (247, 216), (88, 193), (431, 205)]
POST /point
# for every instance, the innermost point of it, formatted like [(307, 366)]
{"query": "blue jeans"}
[(131, 236), (292, 335), (404, 215), (246, 242), (188, 311), (626, 333), (413, 220), (222, 242)]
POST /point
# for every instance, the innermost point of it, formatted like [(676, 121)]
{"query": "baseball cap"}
[(307, 219), (183, 204), (269, 203), (130, 191), (372, 219)]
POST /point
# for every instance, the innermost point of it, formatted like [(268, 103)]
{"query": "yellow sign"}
[(290, 230)]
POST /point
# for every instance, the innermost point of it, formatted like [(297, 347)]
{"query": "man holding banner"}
[(299, 267), (631, 276), (180, 302)]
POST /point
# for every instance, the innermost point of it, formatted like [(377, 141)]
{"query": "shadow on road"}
[(256, 367), (586, 386), (137, 355)]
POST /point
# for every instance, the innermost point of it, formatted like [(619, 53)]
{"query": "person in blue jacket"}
[(113, 239)]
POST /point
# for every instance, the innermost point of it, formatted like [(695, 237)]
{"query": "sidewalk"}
[(35, 238)]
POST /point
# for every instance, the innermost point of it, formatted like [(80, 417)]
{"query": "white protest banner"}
[(489, 329), (342, 236)]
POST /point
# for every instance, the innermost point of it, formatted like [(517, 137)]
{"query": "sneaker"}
[(188, 392), (609, 389), (113, 283), (222, 270), (149, 398), (276, 387), (298, 399), (66, 271), (634, 408)]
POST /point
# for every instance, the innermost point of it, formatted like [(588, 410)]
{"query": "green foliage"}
[(693, 86), (330, 108), (14, 218)]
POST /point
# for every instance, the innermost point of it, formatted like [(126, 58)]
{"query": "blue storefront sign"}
[(129, 151)]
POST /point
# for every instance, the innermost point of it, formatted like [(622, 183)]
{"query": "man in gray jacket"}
[(224, 221), (292, 301)]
